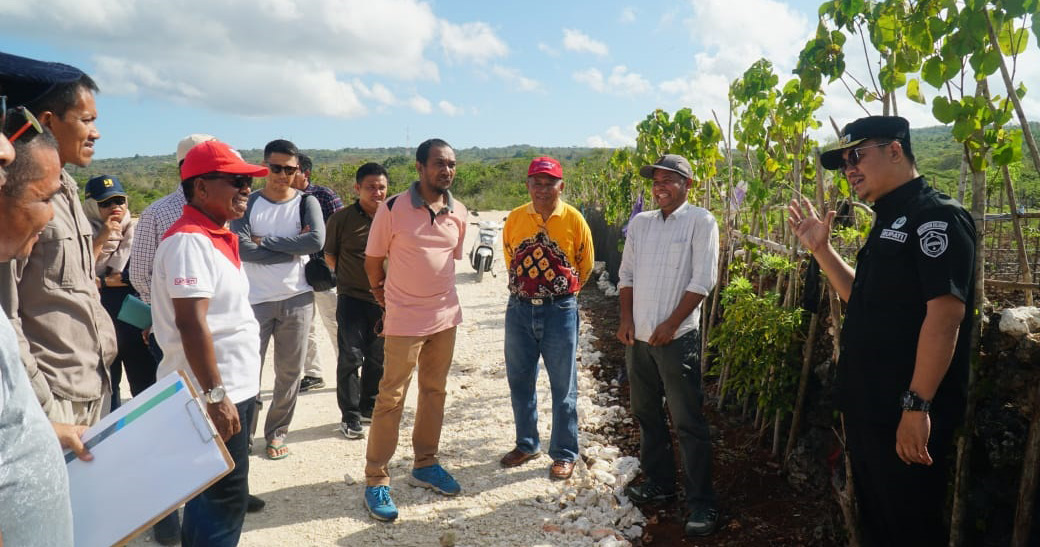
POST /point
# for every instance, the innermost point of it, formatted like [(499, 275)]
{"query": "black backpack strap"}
[(303, 208), (390, 202)]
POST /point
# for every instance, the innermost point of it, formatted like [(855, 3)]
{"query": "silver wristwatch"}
[(215, 394)]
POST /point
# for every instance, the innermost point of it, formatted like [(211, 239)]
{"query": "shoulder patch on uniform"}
[(935, 225), (934, 242)]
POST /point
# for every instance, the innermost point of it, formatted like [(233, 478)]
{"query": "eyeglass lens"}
[(289, 169)]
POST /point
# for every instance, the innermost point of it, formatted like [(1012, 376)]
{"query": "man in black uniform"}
[(903, 371)]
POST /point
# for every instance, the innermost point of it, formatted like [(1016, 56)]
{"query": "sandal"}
[(277, 450)]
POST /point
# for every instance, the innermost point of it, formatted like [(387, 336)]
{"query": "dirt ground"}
[(314, 497)]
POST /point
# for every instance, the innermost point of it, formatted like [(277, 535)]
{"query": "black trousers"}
[(214, 518), (134, 355), (360, 347), (900, 504), (672, 372)]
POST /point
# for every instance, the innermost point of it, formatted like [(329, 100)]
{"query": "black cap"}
[(103, 187), (25, 80), (669, 162), (871, 127)]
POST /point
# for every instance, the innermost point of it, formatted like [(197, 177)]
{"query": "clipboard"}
[(152, 454)]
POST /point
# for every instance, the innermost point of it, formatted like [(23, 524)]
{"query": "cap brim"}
[(832, 159), (105, 197), (647, 171), (245, 169)]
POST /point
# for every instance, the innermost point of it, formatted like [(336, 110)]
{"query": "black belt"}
[(541, 300)]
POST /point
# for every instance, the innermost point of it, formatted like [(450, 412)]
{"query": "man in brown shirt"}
[(66, 339), (358, 315)]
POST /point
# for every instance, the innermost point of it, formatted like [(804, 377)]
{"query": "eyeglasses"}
[(238, 181), (113, 201), (289, 169), (855, 157)]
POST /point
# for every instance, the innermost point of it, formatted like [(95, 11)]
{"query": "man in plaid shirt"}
[(325, 302)]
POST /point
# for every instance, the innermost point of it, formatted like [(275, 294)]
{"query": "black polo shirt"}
[(922, 246)]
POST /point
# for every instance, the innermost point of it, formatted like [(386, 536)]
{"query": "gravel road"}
[(314, 497)]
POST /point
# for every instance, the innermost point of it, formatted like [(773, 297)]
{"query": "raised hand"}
[(812, 232)]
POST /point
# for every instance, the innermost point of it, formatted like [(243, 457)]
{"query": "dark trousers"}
[(360, 347), (899, 504), (214, 518), (672, 371), (134, 355)]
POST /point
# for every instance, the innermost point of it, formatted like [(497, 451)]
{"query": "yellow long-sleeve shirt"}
[(547, 258)]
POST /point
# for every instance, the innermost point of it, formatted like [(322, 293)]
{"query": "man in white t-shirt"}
[(280, 228), (205, 325)]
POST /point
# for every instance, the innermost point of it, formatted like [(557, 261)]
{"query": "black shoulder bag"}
[(317, 272)]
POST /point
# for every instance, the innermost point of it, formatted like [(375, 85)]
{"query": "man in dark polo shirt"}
[(357, 314), (903, 370)]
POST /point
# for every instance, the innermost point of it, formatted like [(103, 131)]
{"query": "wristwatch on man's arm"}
[(912, 401), (214, 394)]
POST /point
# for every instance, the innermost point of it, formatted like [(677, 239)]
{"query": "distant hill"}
[(491, 178)]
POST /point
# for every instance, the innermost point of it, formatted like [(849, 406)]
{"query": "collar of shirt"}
[(679, 211), (360, 209), (194, 220), (418, 201), (557, 211), (897, 198)]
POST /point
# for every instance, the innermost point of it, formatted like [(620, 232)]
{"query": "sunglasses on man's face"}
[(112, 202), (855, 156), (288, 169), (238, 181)]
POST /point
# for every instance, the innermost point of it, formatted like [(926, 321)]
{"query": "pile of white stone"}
[(590, 508), (1020, 322)]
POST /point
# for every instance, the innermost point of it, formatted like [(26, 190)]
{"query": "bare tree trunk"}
[(776, 434), (847, 495), (1026, 273), (963, 183), (803, 386), (1027, 485)]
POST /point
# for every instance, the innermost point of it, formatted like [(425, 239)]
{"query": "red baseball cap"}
[(546, 165), (215, 156)]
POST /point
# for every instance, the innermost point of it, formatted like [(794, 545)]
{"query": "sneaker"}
[(366, 417), (702, 521), (648, 492), (311, 382), (379, 504), (351, 429), (437, 479)]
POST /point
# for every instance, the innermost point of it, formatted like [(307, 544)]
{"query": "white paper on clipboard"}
[(152, 454)]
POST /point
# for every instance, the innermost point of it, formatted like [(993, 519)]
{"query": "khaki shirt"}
[(66, 338)]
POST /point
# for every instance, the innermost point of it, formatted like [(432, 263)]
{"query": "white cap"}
[(187, 143)]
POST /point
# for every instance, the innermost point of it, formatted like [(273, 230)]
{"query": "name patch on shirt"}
[(894, 235), (933, 225), (186, 281)]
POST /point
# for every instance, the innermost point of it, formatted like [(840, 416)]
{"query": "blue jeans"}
[(671, 372), (214, 518), (550, 331)]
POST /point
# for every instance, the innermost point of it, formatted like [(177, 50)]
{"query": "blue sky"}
[(370, 73)]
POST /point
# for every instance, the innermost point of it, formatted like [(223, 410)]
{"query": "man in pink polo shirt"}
[(419, 233)]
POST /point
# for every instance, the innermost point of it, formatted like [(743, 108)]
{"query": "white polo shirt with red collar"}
[(198, 259)]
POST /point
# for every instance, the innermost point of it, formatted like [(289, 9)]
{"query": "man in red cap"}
[(205, 325), (548, 248)]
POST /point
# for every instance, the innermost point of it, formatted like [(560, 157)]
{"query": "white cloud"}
[(450, 109), (420, 104), (576, 40), (377, 92), (548, 50), (471, 42), (275, 57), (620, 81), (516, 79), (614, 137), (628, 15)]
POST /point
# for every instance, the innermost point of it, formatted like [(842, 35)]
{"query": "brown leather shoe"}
[(561, 470), (516, 457)]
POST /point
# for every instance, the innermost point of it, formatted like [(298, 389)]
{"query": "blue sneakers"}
[(379, 504), (435, 478)]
